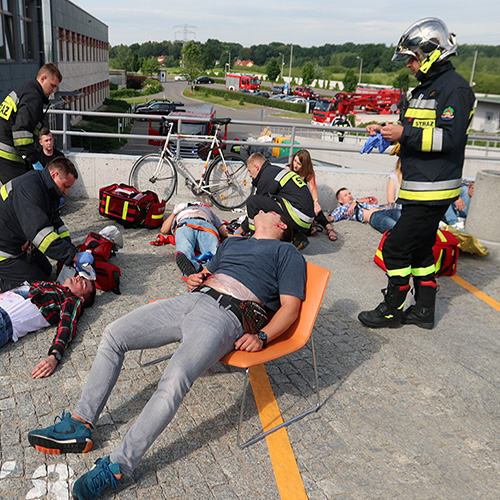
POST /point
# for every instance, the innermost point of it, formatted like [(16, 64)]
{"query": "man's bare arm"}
[(280, 322)]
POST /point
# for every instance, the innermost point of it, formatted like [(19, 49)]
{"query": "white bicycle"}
[(225, 178)]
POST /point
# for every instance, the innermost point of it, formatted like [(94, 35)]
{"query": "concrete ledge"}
[(98, 170), (482, 220)]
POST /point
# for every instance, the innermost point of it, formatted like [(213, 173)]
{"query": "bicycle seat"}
[(220, 121)]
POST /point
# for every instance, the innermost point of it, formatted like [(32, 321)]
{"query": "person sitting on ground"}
[(364, 210), (281, 191), (48, 152), (196, 229), (393, 185), (37, 305), (302, 164), (457, 211), (261, 272)]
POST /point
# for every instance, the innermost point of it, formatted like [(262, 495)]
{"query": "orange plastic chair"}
[(288, 342)]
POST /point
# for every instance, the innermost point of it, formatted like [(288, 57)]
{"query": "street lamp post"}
[(360, 68), (229, 62), (282, 64), (290, 68)]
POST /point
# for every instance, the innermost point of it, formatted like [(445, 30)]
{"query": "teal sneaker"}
[(66, 436), (93, 483)]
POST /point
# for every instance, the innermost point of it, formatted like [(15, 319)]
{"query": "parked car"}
[(245, 91), (204, 79), (179, 78), (278, 97), (151, 102), (161, 108), (295, 98), (262, 94), (306, 92), (277, 89)]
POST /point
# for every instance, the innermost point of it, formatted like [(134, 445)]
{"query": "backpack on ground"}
[(100, 246), (107, 275), (131, 207), (445, 252)]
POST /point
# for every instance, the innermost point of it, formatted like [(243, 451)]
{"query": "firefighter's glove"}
[(375, 141), (37, 166), (83, 258)]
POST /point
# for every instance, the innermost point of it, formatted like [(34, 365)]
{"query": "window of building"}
[(6, 31), (26, 13), (69, 46)]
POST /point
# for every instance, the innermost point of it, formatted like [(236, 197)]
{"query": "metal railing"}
[(488, 144)]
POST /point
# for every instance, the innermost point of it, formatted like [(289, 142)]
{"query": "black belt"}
[(228, 302)]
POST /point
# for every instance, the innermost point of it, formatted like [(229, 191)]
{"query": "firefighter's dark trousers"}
[(14, 271), (408, 248)]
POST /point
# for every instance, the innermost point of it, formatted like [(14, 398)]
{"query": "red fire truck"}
[(237, 81), (381, 102)]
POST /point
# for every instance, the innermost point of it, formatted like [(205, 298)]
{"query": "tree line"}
[(325, 60)]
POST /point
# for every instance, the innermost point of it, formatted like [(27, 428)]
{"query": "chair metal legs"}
[(315, 408)]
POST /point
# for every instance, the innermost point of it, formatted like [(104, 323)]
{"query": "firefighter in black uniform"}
[(21, 119), (282, 191), (30, 225), (341, 121), (432, 137)]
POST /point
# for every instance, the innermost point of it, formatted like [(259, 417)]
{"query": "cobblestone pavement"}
[(408, 414)]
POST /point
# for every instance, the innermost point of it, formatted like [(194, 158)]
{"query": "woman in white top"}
[(394, 183)]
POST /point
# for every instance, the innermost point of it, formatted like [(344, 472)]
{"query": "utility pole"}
[(360, 69), (282, 64), (471, 83)]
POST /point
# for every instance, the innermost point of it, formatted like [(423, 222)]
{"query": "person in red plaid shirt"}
[(38, 305)]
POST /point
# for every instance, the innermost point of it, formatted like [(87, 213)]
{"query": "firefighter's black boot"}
[(422, 313), (389, 312)]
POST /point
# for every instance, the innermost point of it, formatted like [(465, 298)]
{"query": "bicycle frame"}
[(200, 185)]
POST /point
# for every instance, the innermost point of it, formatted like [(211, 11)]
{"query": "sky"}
[(303, 22)]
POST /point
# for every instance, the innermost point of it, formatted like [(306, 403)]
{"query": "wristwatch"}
[(263, 336), (56, 354)]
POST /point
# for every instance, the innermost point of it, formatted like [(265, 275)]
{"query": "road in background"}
[(173, 90)]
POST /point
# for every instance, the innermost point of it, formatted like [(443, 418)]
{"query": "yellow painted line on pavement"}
[(285, 467), (475, 291)]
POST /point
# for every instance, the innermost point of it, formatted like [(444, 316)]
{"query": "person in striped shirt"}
[(33, 306)]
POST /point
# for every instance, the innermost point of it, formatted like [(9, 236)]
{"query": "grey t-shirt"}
[(268, 268)]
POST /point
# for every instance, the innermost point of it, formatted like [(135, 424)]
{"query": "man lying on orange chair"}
[(224, 310)]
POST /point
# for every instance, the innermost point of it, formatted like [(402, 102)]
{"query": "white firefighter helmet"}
[(424, 37)]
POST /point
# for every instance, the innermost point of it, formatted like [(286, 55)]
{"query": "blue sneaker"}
[(66, 436), (93, 483)]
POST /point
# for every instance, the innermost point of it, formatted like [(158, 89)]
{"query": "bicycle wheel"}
[(151, 173), (230, 185)]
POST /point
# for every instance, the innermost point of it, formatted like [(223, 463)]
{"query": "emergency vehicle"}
[(194, 121), (380, 102), (237, 81)]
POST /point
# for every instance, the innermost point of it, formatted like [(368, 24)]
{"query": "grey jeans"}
[(206, 332)]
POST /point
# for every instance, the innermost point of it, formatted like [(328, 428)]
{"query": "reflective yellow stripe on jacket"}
[(44, 238), (430, 191)]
